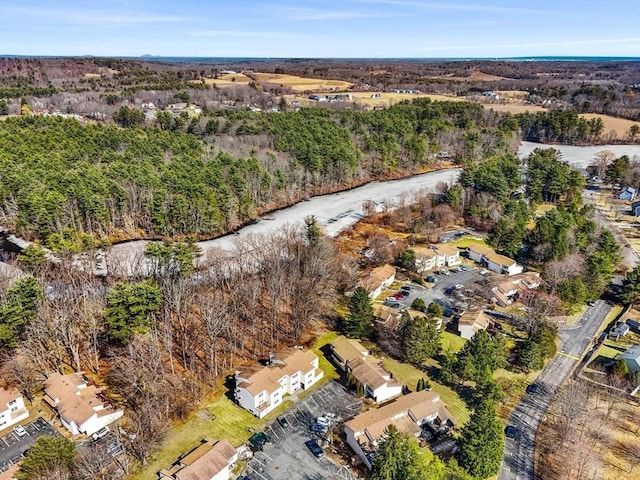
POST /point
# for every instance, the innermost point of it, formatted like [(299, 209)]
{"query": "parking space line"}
[(271, 459), (257, 473), (3, 439)]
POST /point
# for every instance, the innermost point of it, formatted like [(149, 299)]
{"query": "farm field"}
[(227, 80), (301, 84), (620, 126)]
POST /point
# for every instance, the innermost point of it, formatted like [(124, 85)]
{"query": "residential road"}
[(519, 453)]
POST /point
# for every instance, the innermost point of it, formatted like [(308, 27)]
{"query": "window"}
[(12, 402)]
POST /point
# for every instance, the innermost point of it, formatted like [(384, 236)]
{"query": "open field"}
[(301, 84), (227, 80), (620, 126), (475, 75), (389, 98), (513, 107)]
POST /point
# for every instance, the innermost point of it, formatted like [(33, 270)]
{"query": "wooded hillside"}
[(60, 178)]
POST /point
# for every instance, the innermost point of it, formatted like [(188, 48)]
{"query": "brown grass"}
[(620, 126), (302, 84)]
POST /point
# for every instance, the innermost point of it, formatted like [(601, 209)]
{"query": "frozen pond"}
[(581, 157)]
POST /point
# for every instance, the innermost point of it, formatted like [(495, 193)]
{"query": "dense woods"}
[(68, 184)]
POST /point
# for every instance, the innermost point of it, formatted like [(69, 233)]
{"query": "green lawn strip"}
[(613, 314), (409, 375), (325, 365), (464, 242), (452, 342)]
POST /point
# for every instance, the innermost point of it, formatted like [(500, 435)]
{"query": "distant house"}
[(493, 261), (260, 389), (505, 292), (632, 358), (12, 409), (620, 330), (390, 317), (354, 359), (410, 414), (628, 194), (208, 461), (82, 407), (437, 256), (635, 209), (377, 280), (471, 322)]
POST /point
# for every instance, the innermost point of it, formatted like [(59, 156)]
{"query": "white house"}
[(494, 261), (208, 461), (471, 322), (260, 389), (409, 414), (377, 280), (12, 409), (631, 356), (82, 407), (436, 257), (620, 330), (355, 360)]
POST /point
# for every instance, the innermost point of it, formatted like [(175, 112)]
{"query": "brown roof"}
[(474, 317), (348, 349), (404, 424), (204, 462), (261, 378), (444, 249), (424, 252), (299, 361), (371, 373), (74, 399), (491, 255), (6, 396), (421, 404), (375, 278)]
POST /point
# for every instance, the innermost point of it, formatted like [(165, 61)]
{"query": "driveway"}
[(12, 446), (519, 453), (288, 457)]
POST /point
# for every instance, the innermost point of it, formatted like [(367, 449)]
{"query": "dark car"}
[(283, 422), (403, 294), (315, 448), (259, 439), (319, 429), (533, 388), (406, 288), (511, 432)]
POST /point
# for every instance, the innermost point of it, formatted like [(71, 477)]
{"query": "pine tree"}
[(481, 442), (359, 322), (420, 340)]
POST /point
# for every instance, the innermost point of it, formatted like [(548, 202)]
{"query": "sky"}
[(321, 28)]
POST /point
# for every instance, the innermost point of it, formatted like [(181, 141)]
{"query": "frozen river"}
[(337, 211)]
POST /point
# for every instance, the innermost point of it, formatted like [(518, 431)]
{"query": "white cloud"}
[(466, 7), (95, 17), (327, 14)]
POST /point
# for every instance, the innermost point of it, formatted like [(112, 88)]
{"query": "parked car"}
[(533, 388), (403, 293), (324, 421), (283, 422), (445, 272), (394, 305), (592, 304), (316, 449), (511, 432), (20, 431), (100, 433), (406, 288), (319, 429)]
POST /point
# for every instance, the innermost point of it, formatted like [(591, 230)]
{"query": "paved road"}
[(12, 446), (519, 454)]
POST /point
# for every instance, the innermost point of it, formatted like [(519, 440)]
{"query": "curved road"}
[(519, 454)]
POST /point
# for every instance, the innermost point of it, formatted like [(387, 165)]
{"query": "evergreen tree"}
[(129, 309), (481, 442), (631, 287), (48, 455), (312, 230), (480, 357), (359, 322), (23, 298), (399, 457), (420, 340)]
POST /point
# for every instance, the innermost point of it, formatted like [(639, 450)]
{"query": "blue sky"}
[(321, 28)]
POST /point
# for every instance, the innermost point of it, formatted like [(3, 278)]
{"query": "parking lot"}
[(445, 283), (288, 457), (13, 446)]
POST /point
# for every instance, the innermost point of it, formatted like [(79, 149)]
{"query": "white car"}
[(20, 431), (324, 421), (100, 433)]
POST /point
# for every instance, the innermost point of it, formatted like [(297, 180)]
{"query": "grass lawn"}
[(231, 422), (325, 365), (452, 342), (464, 242), (409, 375)]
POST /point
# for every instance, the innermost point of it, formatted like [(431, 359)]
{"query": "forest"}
[(69, 184)]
